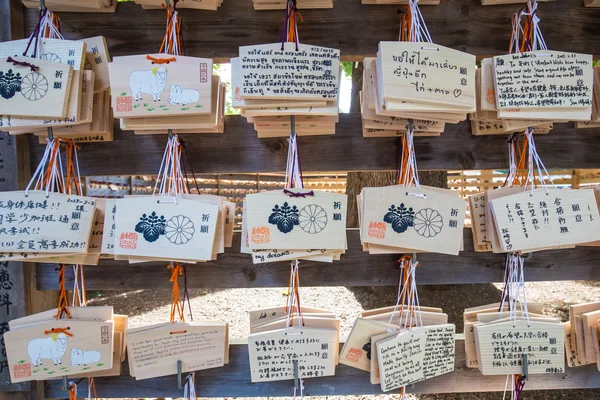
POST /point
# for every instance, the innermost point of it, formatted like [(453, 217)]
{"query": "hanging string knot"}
[(22, 63), (303, 195), (56, 331), (156, 60)]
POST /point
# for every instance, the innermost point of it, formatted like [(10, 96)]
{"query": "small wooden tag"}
[(357, 351)]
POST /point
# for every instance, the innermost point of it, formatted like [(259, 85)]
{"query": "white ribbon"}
[(171, 180), (189, 390), (56, 173), (535, 163), (418, 28), (412, 303)]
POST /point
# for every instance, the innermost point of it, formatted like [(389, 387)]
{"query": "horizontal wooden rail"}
[(353, 28), (233, 380), (239, 150), (356, 268)]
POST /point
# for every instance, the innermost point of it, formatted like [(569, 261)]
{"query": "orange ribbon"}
[(295, 309), (59, 330), (167, 42), (63, 301), (176, 304), (72, 391), (160, 60)]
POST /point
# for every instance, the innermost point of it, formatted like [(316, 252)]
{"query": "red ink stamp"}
[(124, 104), (354, 355), (377, 230), (128, 240), (104, 335), (22, 370), (203, 73), (261, 235)]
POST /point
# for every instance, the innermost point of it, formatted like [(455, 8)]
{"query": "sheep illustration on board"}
[(80, 357), (148, 82), (49, 348), (177, 95)]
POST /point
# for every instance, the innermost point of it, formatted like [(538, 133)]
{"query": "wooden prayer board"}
[(358, 351), (277, 220), (426, 73), (36, 352), (499, 344), (540, 219), (97, 59), (142, 87), (49, 223), (415, 355), (198, 345), (160, 226), (543, 79), (272, 353), (270, 72), (399, 216)]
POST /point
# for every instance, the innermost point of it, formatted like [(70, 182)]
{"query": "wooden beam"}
[(12, 22), (239, 150), (353, 28), (233, 380), (356, 268)]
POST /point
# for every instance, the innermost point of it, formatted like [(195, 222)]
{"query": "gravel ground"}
[(145, 307)]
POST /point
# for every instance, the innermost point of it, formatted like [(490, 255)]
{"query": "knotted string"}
[(412, 25), (293, 307), (63, 301), (406, 161), (173, 38), (72, 391), (532, 35), (289, 32), (176, 303), (535, 163), (56, 331), (22, 63), (48, 26)]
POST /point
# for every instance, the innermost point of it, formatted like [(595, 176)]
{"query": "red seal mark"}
[(377, 230), (203, 73), (124, 104), (261, 235), (22, 370), (354, 355), (128, 240)]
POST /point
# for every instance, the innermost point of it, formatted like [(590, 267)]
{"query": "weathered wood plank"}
[(12, 23), (218, 34), (238, 150), (233, 380), (356, 268)]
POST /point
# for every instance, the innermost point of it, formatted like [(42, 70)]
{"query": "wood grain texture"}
[(12, 22), (218, 34), (239, 150), (356, 268), (233, 380)]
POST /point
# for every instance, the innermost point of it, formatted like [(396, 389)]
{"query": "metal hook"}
[(170, 132), (293, 126), (179, 379), (50, 131), (42, 5), (65, 386), (525, 367), (296, 379)]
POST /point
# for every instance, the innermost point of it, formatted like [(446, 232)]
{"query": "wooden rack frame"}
[(356, 30)]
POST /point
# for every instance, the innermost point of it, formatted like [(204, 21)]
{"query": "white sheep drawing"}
[(148, 82), (80, 357), (177, 95), (49, 348)]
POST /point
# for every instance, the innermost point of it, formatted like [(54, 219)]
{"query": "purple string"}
[(34, 35), (303, 195), (183, 145), (290, 7), (21, 63)]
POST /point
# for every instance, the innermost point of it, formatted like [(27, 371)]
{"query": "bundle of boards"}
[(83, 6), (582, 335), (532, 89), (273, 82), (428, 84), (68, 90), (294, 225), (90, 343), (380, 339), (188, 228), (283, 343), (157, 92)]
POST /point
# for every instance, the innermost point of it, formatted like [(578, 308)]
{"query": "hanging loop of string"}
[(92, 389), (535, 163), (173, 39), (189, 390), (293, 307), (289, 33), (176, 303), (532, 38), (48, 27), (407, 171), (408, 298), (412, 26), (171, 180)]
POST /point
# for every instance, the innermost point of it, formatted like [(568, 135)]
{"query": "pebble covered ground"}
[(146, 307)]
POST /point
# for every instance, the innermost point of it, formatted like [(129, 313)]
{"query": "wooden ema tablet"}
[(109, 7), (311, 72), (156, 226), (97, 60), (541, 219), (399, 216), (478, 218), (570, 351), (426, 73), (543, 79), (272, 353), (85, 346), (590, 323), (267, 315), (415, 355), (501, 345), (49, 223), (277, 220), (384, 310), (80, 3), (421, 3), (96, 313), (155, 352), (281, 4), (267, 256), (575, 313), (357, 349), (142, 87), (374, 374), (292, 316), (194, 4)]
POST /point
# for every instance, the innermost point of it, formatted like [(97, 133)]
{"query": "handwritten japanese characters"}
[(144, 87), (501, 347), (154, 351), (298, 220), (545, 219), (543, 79), (97, 60), (424, 218), (50, 223), (305, 72), (272, 354), (415, 355)]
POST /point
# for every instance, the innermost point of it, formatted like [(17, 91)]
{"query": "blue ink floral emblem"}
[(400, 217), (285, 217), (10, 83), (151, 226)]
